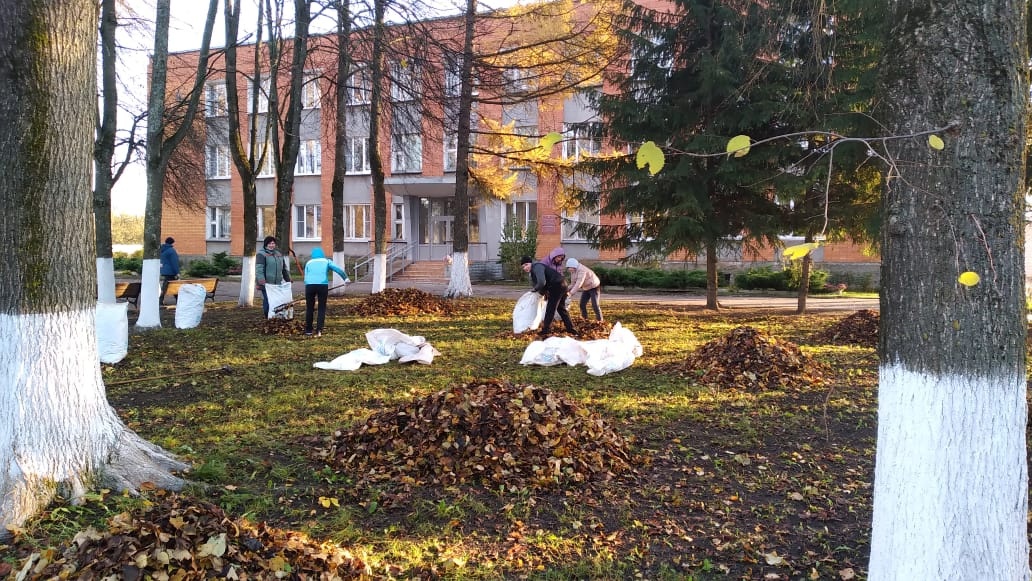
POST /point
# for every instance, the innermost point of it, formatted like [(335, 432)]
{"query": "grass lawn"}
[(726, 481)]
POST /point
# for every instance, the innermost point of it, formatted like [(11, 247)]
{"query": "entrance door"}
[(436, 217)]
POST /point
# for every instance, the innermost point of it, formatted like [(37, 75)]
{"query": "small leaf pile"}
[(494, 432), (588, 329), (860, 328), (747, 359), (281, 327), (178, 538), (402, 301)]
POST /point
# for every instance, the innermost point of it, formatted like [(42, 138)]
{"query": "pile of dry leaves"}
[(175, 537), (588, 330), (747, 359), (402, 301), (281, 327), (860, 328), (518, 436)]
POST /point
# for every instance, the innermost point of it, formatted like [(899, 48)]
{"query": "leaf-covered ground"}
[(763, 474)]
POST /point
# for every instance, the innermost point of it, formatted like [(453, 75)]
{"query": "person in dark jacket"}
[(269, 267), (550, 283), (317, 286), (169, 265)]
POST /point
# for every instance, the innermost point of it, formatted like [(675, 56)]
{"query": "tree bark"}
[(712, 285), (458, 279), (951, 481), (57, 431), (379, 282)]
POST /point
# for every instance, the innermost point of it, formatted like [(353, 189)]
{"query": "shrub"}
[(787, 279), (219, 265), (516, 242), (651, 277), (128, 262)]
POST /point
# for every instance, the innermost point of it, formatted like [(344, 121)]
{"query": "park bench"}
[(130, 291), (209, 284)]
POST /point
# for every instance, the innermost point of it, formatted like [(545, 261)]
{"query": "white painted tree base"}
[(246, 298), (379, 273), (106, 280), (459, 284), (944, 444), (150, 290), (58, 434)]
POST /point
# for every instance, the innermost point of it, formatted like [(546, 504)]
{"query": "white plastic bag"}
[(353, 360), (280, 294), (424, 355), (387, 341), (190, 306), (528, 312), (112, 331)]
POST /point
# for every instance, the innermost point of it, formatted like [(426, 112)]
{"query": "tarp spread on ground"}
[(601, 356), (384, 345)]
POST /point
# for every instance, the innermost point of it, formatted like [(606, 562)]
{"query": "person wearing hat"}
[(585, 280), (269, 267), (550, 283), (169, 265), (317, 286)]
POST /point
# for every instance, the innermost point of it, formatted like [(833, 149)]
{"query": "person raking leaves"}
[(317, 285), (549, 282)]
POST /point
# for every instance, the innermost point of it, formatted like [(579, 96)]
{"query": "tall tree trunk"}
[(57, 430), (951, 481), (340, 136), (104, 152), (712, 284), (375, 159), (804, 282), (458, 280), (292, 125)]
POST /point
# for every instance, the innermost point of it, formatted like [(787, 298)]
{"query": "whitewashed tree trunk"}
[(458, 280), (247, 281), (57, 432), (379, 273), (337, 287), (150, 290), (106, 280), (951, 481)]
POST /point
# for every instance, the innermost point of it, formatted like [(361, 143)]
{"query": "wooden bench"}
[(172, 287), (130, 291)]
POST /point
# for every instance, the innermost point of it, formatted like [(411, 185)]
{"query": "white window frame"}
[(398, 218), (453, 75), (309, 158), (404, 82), (589, 215), (451, 150), (216, 101), (219, 225), (521, 210), (311, 92), (581, 139), (517, 79), (360, 87), (356, 158), (263, 95), (307, 222), (216, 161), (358, 222), (266, 213), (407, 153), (637, 218)]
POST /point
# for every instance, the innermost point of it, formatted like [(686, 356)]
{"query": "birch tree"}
[(951, 481), (57, 431)]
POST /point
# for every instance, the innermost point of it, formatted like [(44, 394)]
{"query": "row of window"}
[(407, 153), (358, 220)]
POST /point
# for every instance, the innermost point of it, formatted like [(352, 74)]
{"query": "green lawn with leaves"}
[(727, 482)]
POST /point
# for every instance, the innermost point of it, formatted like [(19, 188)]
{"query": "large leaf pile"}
[(517, 436), (748, 359), (860, 328), (402, 301), (177, 538)]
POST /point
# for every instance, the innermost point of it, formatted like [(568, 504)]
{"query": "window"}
[(453, 76), (266, 221), (360, 87), (357, 155), (215, 104), (572, 219), (306, 222), (357, 221), (218, 222), (309, 158), (581, 139), (636, 227), (517, 80), (404, 79), (268, 167), (451, 150), (310, 93), (524, 213), (263, 96), (216, 161), (399, 221), (407, 153)]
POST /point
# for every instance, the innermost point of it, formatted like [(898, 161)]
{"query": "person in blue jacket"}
[(169, 265), (317, 286)]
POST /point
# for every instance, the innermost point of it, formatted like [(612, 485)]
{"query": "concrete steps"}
[(423, 271)]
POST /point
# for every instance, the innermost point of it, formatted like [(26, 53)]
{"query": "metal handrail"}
[(397, 250)]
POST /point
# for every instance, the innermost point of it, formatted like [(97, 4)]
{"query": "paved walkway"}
[(229, 290)]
